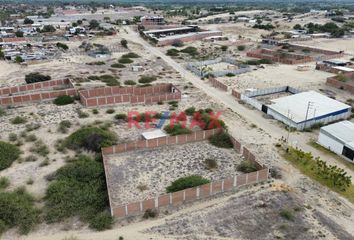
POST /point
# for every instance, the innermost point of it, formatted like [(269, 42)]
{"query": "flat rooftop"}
[(342, 131), (177, 36), (296, 106)]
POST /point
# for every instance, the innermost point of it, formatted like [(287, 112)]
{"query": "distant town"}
[(176, 120)]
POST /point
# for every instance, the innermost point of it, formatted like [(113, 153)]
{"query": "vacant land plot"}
[(146, 173)]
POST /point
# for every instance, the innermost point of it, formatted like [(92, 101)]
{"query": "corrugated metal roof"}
[(295, 106), (344, 131)]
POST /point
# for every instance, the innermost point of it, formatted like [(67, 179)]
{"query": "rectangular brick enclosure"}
[(113, 95), (36, 92), (187, 195), (297, 55), (346, 84)]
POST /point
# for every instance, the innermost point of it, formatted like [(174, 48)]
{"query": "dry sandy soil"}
[(322, 211)]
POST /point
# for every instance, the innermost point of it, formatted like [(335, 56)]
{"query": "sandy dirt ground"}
[(257, 133)]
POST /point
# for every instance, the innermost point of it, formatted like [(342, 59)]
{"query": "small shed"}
[(157, 133)]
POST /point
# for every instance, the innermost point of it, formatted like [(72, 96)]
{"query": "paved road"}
[(251, 116)]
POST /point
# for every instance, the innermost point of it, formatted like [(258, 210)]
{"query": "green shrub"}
[(186, 182), (247, 166), (31, 138), (131, 55), (12, 137), (150, 213), (90, 138), (8, 154), (77, 189), (109, 80), (4, 183), (177, 129), (265, 61), (190, 50), (93, 77), (96, 63), (117, 65), (36, 77), (62, 46), (224, 48), (64, 125), (101, 221), (125, 60), (129, 82), (241, 48), (39, 148), (230, 75), (2, 112), (221, 140), (110, 111), (211, 164), (287, 214), (121, 116), (172, 52), (18, 120), (147, 79), (63, 100), (95, 111), (19, 211), (208, 121), (190, 111)]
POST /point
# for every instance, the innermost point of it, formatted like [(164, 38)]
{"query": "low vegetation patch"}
[(177, 129), (147, 79), (328, 175), (96, 63), (247, 166), (173, 52), (129, 82), (221, 140), (63, 100), (18, 210), (18, 120), (192, 51), (117, 65), (131, 55), (90, 138), (125, 60), (79, 189), (36, 77), (8, 154), (186, 182)]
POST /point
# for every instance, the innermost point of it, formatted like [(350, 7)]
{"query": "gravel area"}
[(143, 174)]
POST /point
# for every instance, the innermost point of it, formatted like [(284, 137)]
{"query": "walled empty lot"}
[(154, 169)]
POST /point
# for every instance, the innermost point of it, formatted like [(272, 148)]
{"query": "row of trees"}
[(330, 27)]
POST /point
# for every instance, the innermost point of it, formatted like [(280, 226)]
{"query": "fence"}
[(348, 86), (292, 58), (36, 92), (113, 95), (190, 194), (195, 67), (217, 84)]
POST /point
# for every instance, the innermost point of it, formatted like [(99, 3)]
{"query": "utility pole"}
[(309, 105)]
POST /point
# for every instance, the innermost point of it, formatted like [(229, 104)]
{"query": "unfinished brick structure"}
[(36, 92), (217, 84), (276, 55), (187, 195), (143, 95), (347, 85)]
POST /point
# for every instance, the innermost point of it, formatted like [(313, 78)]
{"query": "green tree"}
[(124, 43)]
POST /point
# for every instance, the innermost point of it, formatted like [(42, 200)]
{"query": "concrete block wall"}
[(113, 95), (195, 37), (190, 194), (36, 92), (217, 84)]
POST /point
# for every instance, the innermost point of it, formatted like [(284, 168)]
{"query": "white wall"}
[(330, 143)]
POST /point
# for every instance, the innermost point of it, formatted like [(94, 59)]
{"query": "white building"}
[(303, 110), (339, 138)]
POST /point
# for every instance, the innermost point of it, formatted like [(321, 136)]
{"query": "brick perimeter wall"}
[(113, 95), (36, 92), (332, 81), (217, 84), (236, 94), (187, 195)]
